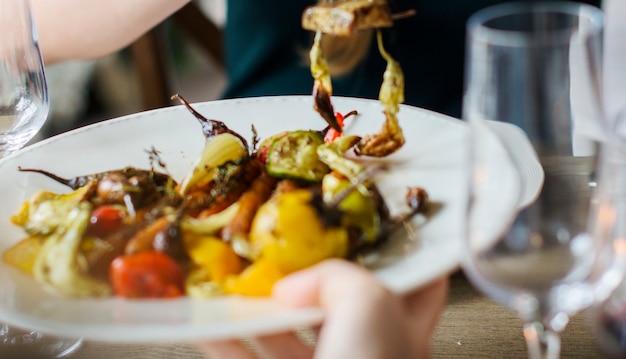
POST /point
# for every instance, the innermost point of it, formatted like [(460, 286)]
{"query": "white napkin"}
[(615, 61), (589, 124)]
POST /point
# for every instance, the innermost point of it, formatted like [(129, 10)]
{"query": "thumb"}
[(363, 318)]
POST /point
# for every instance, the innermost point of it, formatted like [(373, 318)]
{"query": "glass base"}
[(19, 343)]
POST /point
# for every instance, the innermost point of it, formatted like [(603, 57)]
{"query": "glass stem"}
[(542, 342)]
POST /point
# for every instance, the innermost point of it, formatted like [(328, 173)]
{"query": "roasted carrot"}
[(144, 239), (249, 202)]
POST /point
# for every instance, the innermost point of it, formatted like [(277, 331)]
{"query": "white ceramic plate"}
[(432, 158)]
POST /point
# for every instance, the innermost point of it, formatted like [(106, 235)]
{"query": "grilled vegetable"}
[(214, 256), (45, 211), (260, 190), (294, 156), (292, 231), (390, 137), (221, 149), (332, 153), (359, 208), (322, 83), (256, 280), (266, 144), (332, 134), (210, 224), (24, 254), (60, 263), (345, 17), (140, 187), (210, 128)]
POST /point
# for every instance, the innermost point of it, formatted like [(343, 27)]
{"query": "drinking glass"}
[(24, 108), (537, 67), (24, 100), (608, 317)]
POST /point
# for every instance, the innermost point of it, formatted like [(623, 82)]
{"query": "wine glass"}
[(536, 66), (24, 100), (608, 317), (24, 107)]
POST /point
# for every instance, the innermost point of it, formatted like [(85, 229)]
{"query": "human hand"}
[(362, 318)]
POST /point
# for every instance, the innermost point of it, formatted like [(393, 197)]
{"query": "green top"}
[(266, 49)]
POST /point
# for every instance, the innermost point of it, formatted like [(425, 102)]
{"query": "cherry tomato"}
[(147, 275), (332, 134), (105, 220)]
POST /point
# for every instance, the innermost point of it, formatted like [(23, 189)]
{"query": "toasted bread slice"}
[(343, 18)]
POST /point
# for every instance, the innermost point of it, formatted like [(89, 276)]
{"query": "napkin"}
[(586, 86), (615, 63)]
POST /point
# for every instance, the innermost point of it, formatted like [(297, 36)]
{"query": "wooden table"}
[(472, 326)]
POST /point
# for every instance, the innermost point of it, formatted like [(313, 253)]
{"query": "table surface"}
[(474, 326), (471, 326)]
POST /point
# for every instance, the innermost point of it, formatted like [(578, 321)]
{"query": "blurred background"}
[(182, 55)]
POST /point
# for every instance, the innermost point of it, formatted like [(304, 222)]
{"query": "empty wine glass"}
[(536, 66), (608, 317), (24, 108)]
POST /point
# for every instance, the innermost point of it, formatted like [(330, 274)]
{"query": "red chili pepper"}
[(263, 154), (332, 134), (105, 220), (147, 275)]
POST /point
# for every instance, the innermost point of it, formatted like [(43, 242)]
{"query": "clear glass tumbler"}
[(537, 67)]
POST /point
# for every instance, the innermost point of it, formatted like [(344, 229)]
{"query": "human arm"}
[(78, 29), (363, 319)]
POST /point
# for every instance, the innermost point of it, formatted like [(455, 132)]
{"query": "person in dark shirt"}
[(266, 47), (266, 51)]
